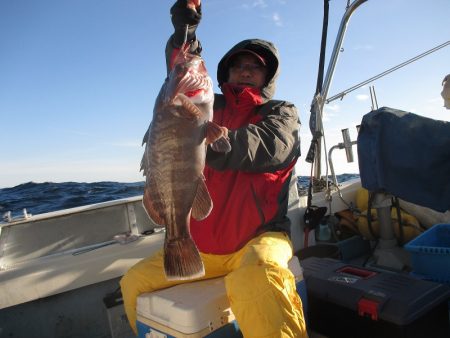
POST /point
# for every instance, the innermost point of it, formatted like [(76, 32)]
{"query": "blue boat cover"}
[(406, 155)]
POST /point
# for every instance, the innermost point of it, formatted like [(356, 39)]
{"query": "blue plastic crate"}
[(430, 254)]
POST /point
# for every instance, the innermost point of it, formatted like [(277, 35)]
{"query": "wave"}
[(39, 198)]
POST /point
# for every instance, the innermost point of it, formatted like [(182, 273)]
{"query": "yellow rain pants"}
[(260, 287)]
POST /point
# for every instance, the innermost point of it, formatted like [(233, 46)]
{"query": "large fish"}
[(174, 159)]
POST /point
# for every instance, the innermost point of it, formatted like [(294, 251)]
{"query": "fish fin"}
[(149, 207), (182, 260), (186, 108), (145, 138), (217, 136), (202, 205), (153, 200), (151, 210)]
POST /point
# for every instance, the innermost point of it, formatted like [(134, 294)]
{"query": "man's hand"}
[(186, 12)]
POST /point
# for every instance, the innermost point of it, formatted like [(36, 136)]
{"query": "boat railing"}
[(72, 231)]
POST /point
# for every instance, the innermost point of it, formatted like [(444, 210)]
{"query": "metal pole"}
[(390, 70), (329, 76)]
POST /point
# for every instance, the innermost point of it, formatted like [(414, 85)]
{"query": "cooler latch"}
[(155, 334), (368, 307)]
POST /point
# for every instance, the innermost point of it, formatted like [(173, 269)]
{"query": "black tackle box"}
[(348, 301)]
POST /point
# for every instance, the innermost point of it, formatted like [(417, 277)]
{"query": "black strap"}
[(323, 47), (314, 109), (313, 214)]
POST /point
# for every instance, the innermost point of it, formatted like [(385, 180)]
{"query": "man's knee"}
[(266, 295)]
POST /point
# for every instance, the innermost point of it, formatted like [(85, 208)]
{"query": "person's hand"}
[(193, 4), (186, 12)]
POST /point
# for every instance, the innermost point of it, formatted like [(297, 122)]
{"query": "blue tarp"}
[(406, 155)]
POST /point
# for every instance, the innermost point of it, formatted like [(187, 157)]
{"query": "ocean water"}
[(38, 198)]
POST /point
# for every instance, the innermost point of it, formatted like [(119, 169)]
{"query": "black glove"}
[(181, 16)]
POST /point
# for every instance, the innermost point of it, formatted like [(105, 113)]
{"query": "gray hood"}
[(261, 47)]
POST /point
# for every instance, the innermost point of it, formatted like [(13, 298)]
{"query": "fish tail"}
[(182, 260)]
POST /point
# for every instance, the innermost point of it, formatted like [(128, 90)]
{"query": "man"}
[(246, 236)]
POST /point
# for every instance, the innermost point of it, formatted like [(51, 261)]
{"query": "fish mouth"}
[(192, 93), (192, 85)]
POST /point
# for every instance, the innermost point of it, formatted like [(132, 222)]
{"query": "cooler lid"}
[(187, 308)]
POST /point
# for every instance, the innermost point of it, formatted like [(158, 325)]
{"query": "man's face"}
[(247, 70)]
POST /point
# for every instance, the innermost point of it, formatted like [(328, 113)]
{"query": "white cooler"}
[(198, 309)]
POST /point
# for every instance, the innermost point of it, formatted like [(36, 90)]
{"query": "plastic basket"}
[(430, 254)]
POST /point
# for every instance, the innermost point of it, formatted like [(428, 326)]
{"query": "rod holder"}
[(347, 145)]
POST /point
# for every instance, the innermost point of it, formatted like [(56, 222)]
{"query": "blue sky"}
[(78, 78)]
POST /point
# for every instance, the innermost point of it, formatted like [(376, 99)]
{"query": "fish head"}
[(189, 77)]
